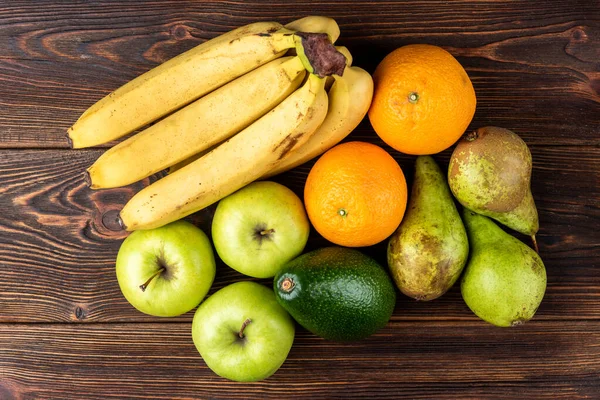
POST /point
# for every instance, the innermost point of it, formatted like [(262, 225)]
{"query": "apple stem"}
[(267, 232), (244, 325), (144, 285)]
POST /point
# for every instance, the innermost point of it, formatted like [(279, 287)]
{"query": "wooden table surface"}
[(67, 332)]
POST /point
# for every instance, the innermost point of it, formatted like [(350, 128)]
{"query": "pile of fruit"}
[(263, 99)]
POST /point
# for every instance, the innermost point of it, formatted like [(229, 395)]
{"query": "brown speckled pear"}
[(429, 250), (490, 173)]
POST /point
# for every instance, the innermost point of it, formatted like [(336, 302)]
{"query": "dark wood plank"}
[(66, 331), (542, 360), (58, 257), (524, 58)]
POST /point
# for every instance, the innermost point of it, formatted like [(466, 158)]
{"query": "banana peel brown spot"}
[(270, 31), (288, 144)]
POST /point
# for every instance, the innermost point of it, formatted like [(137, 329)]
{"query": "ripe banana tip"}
[(87, 178), (69, 141), (121, 223)]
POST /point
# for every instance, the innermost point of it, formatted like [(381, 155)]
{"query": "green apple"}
[(242, 333), (166, 271), (259, 228)]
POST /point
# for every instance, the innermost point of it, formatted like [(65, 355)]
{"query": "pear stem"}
[(267, 232), (535, 245), (144, 285), (469, 137), (244, 325)]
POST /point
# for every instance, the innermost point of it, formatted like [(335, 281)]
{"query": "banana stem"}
[(319, 55)]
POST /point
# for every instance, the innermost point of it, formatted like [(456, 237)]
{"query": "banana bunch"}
[(249, 104)]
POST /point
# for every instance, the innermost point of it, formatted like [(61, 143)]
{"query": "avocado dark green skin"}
[(336, 293)]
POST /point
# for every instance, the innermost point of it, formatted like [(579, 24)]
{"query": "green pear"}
[(490, 173), (504, 280), (523, 218), (429, 249)]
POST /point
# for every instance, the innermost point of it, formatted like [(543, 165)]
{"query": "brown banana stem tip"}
[(69, 141), (325, 59), (87, 178), (121, 223)]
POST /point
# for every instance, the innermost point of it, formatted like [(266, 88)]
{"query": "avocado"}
[(336, 293)]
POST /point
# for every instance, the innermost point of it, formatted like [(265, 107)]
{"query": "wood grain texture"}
[(66, 332), (525, 58), (542, 360), (58, 256)]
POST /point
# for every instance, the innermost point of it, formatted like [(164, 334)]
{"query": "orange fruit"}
[(355, 194), (423, 99)]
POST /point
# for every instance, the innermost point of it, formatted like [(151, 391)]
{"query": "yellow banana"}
[(349, 100), (316, 24), (312, 23), (198, 126), (231, 165), (344, 50), (328, 83), (179, 81), (189, 160)]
